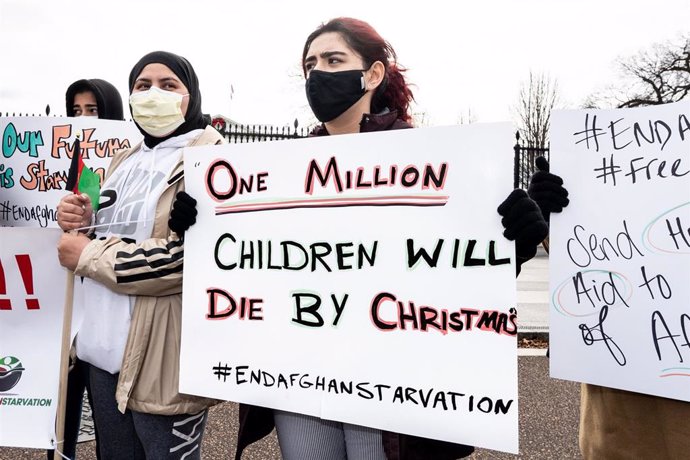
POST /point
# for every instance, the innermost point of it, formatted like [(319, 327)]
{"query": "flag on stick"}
[(81, 179)]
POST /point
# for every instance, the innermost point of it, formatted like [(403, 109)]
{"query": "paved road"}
[(533, 295)]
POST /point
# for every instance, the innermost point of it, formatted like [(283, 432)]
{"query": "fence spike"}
[(238, 133)]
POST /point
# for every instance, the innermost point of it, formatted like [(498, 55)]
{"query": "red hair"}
[(394, 92)]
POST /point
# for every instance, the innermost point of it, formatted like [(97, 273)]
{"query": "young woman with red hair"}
[(354, 85)]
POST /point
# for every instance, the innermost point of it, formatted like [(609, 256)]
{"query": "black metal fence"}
[(523, 166), (14, 114), (233, 133), (259, 133)]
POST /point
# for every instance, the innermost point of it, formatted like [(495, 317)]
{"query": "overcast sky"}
[(461, 55)]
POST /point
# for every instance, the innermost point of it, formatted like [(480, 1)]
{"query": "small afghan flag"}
[(82, 179)]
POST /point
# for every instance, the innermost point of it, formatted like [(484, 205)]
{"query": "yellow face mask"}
[(156, 111)]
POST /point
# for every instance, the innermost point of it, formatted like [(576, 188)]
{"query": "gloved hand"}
[(547, 189), (524, 223), (183, 214)]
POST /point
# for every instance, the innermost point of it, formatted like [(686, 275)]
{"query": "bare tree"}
[(467, 118), (538, 96), (657, 75), (420, 118)]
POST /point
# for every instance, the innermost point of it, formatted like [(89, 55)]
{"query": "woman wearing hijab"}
[(95, 98), (87, 98), (132, 271)]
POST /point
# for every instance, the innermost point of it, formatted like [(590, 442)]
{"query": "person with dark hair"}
[(132, 271), (93, 98), (89, 98), (354, 84)]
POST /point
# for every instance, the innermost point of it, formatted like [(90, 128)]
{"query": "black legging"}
[(137, 435), (77, 381)]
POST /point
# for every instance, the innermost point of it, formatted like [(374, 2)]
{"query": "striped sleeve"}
[(152, 267)]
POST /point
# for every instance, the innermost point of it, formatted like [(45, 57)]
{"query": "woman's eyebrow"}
[(169, 79), (325, 55)]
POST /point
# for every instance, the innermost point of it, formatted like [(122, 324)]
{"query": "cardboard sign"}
[(620, 252), (36, 155), (361, 278), (32, 295)]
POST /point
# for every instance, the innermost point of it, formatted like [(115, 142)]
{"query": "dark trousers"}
[(137, 435), (77, 382)]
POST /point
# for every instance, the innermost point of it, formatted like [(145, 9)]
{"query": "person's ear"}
[(374, 76)]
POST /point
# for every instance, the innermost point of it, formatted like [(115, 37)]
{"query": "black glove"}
[(183, 214), (547, 189), (524, 223)]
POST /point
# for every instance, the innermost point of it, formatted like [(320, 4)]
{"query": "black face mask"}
[(332, 93)]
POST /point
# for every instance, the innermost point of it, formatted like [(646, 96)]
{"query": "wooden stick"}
[(64, 364)]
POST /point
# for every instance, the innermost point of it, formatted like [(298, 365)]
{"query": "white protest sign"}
[(361, 278), (620, 252), (32, 294), (36, 155)]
